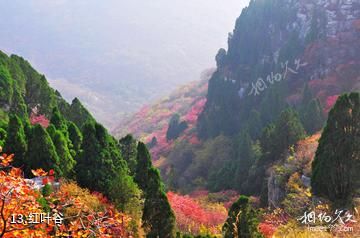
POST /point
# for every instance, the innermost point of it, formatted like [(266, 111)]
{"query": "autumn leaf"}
[(39, 172)]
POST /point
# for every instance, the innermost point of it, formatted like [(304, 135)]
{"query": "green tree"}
[(336, 164), (6, 86), (16, 142), (98, 163), (125, 194), (158, 217), (288, 130), (313, 118), (143, 166), (245, 158), (2, 137), (18, 106), (242, 221), (75, 136), (41, 151), (58, 120), (128, 147), (67, 162), (175, 127), (78, 114)]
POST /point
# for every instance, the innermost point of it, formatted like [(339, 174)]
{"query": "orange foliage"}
[(81, 214)]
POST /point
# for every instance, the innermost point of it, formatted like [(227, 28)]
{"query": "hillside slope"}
[(151, 123), (46, 142), (282, 54)]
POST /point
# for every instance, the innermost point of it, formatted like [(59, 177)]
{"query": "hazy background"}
[(117, 55)]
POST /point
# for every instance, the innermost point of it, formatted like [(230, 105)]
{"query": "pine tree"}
[(242, 221), (58, 120), (128, 146), (67, 162), (175, 127), (2, 137), (245, 159), (313, 118), (16, 142), (158, 217), (336, 164), (95, 166), (100, 167), (79, 114), (18, 106), (41, 151), (75, 136), (288, 130), (125, 194), (143, 166)]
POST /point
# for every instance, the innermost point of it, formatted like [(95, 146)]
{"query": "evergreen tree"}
[(288, 130), (158, 217), (254, 125), (175, 127), (313, 118), (244, 161), (18, 106), (2, 137), (144, 164), (96, 166), (125, 194), (128, 146), (16, 142), (336, 164), (79, 114), (41, 151), (6, 85), (58, 120), (152, 143), (100, 167), (67, 162), (242, 221), (75, 136)]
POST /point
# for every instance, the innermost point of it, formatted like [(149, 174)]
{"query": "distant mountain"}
[(313, 46), (115, 55), (151, 123), (286, 64)]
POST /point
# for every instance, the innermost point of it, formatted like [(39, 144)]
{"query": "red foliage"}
[(153, 121), (19, 197), (272, 221), (191, 215), (193, 114), (162, 144), (39, 119), (330, 102), (267, 229)]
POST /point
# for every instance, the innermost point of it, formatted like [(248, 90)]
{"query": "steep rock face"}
[(297, 161), (309, 42)]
